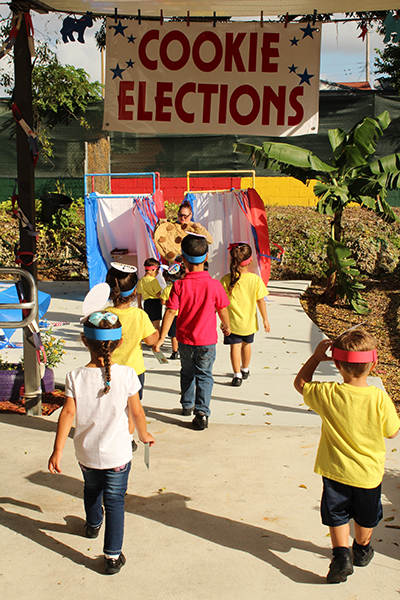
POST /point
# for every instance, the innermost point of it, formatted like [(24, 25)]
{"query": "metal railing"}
[(32, 393), (31, 306)]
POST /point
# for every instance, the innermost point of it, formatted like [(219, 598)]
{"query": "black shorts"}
[(234, 338), (341, 502), (153, 308), (172, 329)]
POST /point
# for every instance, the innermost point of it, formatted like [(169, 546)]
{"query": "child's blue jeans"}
[(196, 376), (107, 486)]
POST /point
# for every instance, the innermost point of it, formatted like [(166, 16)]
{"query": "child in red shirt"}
[(198, 298)]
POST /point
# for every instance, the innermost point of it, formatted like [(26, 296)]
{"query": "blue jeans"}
[(108, 486), (196, 376)]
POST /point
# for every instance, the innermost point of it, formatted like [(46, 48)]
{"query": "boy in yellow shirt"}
[(356, 418), (150, 289)]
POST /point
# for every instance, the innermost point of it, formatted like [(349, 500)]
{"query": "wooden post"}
[(26, 201)]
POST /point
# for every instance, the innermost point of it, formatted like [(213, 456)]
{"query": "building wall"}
[(281, 191)]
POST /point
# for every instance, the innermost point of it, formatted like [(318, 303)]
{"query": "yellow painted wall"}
[(283, 191)]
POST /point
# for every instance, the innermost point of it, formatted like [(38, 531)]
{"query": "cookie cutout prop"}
[(168, 237)]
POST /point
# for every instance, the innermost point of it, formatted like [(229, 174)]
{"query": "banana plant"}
[(353, 175)]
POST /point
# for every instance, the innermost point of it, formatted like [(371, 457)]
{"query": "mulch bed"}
[(51, 401), (383, 297)]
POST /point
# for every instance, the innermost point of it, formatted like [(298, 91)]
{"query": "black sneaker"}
[(174, 356), (186, 412), (200, 422), (245, 374), (92, 532), (361, 557), (113, 565), (236, 382), (340, 568)]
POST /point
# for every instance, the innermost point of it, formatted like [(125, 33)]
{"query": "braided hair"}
[(119, 281), (103, 348), (239, 253)]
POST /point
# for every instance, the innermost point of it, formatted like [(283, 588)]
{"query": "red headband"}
[(354, 357), (152, 268), (233, 245), (246, 262)]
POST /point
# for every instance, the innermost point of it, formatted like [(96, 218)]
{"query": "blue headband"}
[(128, 292), (195, 260), (102, 335)]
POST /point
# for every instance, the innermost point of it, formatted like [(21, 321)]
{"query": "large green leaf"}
[(337, 138), (290, 160), (384, 119)]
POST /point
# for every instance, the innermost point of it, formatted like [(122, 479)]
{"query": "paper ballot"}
[(160, 357), (147, 455)]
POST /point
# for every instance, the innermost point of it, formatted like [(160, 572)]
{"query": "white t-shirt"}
[(102, 439)]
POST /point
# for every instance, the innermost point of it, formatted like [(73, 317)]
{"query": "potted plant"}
[(12, 374)]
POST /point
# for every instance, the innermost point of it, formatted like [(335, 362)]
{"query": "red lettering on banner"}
[(232, 52), (175, 36), (268, 52), (298, 117), (186, 88), (162, 101), (253, 52), (142, 113), (242, 90), (124, 101), (153, 34), (207, 36), (223, 104), (278, 100), (207, 89)]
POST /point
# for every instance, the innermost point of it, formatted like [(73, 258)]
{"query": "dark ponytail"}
[(238, 255)]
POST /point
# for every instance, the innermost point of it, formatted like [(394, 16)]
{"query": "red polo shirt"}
[(197, 297)]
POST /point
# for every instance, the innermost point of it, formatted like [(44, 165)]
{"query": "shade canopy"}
[(223, 8)]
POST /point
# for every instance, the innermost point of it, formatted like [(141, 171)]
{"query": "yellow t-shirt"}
[(243, 302), (355, 421), (166, 292), (149, 287), (136, 326)]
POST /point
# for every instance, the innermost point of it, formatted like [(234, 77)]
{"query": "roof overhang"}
[(223, 8)]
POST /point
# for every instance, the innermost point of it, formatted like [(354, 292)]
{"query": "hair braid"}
[(106, 355)]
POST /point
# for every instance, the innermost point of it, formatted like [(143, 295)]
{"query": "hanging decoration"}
[(29, 33), (392, 28), (21, 215), (364, 31), (32, 138), (73, 25), (12, 36)]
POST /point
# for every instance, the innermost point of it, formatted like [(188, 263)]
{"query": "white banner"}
[(234, 78)]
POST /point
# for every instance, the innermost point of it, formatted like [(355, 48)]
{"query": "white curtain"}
[(221, 215), (118, 226)]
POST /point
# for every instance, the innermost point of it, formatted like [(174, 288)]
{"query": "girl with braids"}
[(136, 324), (104, 398), (245, 291)]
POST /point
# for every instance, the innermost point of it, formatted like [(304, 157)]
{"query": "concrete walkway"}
[(227, 513)]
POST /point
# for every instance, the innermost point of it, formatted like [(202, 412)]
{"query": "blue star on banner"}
[(129, 63), (131, 39), (308, 31), (292, 69), (117, 71), (305, 77), (294, 41), (119, 28)]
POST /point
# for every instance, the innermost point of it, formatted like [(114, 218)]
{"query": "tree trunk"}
[(330, 293)]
